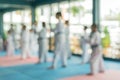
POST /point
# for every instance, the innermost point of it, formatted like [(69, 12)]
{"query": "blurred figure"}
[(84, 46), (43, 44), (67, 32), (1, 43), (25, 43), (96, 60), (32, 41), (36, 31), (4, 37), (59, 42), (10, 44), (34, 27), (13, 34), (106, 40)]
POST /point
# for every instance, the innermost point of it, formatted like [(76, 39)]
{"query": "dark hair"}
[(23, 26), (66, 22), (85, 27), (59, 14), (9, 31), (35, 22), (94, 25), (43, 24), (11, 25)]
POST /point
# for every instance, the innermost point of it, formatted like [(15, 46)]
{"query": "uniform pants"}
[(96, 61), (43, 50), (10, 50), (60, 51), (68, 50), (25, 51), (85, 55)]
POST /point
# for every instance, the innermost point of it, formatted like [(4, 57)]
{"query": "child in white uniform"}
[(10, 44), (67, 32), (96, 60), (60, 39), (25, 43), (43, 44), (84, 46)]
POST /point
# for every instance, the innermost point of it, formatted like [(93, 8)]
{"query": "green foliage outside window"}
[(76, 10), (106, 38)]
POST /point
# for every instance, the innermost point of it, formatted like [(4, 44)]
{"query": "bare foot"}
[(90, 74), (38, 62), (64, 66), (52, 67), (23, 58), (101, 71)]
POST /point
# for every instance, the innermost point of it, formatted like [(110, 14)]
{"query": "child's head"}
[(66, 22), (85, 27), (58, 15), (43, 24), (94, 27), (31, 30), (11, 26), (9, 32), (35, 23), (23, 27)]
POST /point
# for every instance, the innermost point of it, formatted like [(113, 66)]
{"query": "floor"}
[(32, 71)]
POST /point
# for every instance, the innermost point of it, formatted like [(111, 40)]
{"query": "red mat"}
[(16, 60), (108, 75)]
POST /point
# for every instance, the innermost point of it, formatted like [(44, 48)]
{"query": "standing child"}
[(25, 42), (84, 46), (43, 44), (67, 32), (32, 42), (96, 61), (60, 41), (10, 44)]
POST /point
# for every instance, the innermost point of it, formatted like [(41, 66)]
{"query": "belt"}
[(59, 33), (42, 38), (94, 46)]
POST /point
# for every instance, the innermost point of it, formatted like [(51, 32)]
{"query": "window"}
[(78, 12), (17, 18), (110, 23)]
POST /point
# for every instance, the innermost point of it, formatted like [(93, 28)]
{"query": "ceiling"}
[(6, 5), (9, 5)]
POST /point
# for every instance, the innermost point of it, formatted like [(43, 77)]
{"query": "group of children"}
[(62, 44)]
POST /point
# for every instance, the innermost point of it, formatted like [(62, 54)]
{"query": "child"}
[(10, 44), (43, 44)]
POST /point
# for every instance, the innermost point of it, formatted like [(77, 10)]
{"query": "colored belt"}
[(95, 46), (41, 38), (59, 33)]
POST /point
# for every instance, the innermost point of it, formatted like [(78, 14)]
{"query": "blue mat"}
[(41, 71)]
